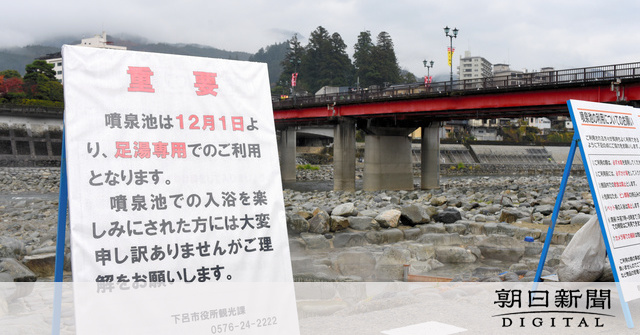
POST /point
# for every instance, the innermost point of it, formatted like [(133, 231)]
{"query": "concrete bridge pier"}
[(387, 159), (344, 153), (287, 151), (430, 157)]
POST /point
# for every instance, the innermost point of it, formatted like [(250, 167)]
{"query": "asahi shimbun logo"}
[(559, 309)]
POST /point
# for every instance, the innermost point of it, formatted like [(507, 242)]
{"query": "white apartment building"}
[(503, 75), (473, 68), (97, 41)]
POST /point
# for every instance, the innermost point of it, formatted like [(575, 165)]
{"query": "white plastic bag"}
[(584, 258)]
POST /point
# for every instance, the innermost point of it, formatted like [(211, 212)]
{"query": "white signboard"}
[(175, 196), (610, 140)]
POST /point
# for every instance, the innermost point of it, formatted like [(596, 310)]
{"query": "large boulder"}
[(390, 265), (345, 239), (16, 270), (448, 215), (421, 251), (11, 247), (42, 265), (439, 200), (356, 263), (389, 218), (453, 254), (413, 214), (510, 215), (502, 248), (441, 239), (296, 223), (315, 241), (392, 235), (363, 223), (320, 223), (346, 209), (544, 209), (338, 223)]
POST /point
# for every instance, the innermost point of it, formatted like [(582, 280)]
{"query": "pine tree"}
[(326, 62), (363, 59), (386, 62), (291, 63)]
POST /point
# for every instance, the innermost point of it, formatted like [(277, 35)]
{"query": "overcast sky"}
[(527, 34)]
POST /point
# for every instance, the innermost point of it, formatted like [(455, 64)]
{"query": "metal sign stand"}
[(575, 143), (60, 239)]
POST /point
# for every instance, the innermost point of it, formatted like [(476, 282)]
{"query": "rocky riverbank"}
[(473, 228)]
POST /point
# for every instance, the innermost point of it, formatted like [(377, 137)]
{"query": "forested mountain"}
[(18, 58), (322, 62), (273, 56)]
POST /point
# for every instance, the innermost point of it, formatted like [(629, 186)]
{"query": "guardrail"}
[(608, 73), (32, 111)]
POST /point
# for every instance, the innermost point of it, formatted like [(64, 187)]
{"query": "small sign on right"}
[(610, 146)]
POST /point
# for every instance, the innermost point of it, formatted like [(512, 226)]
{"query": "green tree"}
[(51, 90), (291, 63), (363, 59), (386, 63), (39, 70), (8, 74), (341, 62), (326, 62), (40, 82)]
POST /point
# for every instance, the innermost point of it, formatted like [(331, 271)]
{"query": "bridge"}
[(388, 115)]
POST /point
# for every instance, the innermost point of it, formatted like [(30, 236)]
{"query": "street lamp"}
[(294, 76), (428, 78), (284, 84), (450, 55), (427, 66)]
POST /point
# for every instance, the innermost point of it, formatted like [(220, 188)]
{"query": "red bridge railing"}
[(595, 74)]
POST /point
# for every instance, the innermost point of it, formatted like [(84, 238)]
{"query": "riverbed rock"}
[(296, 224), (11, 247), (315, 241), (346, 209), (421, 251), (544, 209), (439, 200), (16, 270), (509, 215), (363, 223), (390, 265), (502, 248), (441, 239), (43, 265), (389, 218), (452, 254), (320, 223), (356, 263), (414, 214), (338, 223), (348, 239), (448, 215)]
